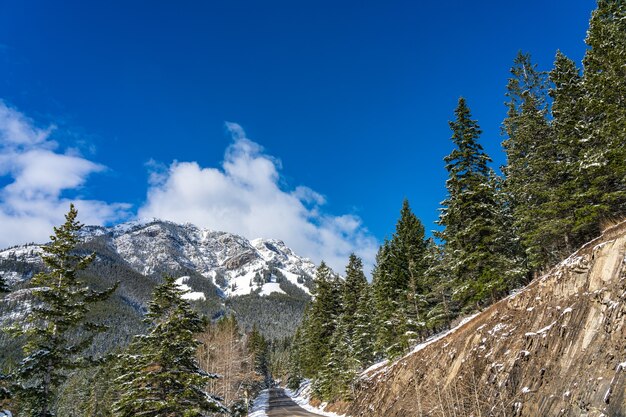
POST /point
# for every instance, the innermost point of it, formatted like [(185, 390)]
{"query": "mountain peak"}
[(235, 264)]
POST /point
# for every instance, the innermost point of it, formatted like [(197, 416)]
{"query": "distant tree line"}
[(565, 175)]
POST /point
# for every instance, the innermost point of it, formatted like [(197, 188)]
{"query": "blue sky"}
[(342, 106)]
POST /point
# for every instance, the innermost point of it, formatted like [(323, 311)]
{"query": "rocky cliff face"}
[(556, 348)]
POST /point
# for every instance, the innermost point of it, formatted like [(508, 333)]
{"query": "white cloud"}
[(36, 173), (244, 196)]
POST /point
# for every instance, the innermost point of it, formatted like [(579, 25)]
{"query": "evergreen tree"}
[(337, 376), (258, 347), (320, 321), (294, 367), (160, 373), (390, 327), (604, 153), (440, 310), (555, 235), (3, 285), (56, 330), (529, 148), (472, 218), (365, 328), (398, 282), (354, 285)]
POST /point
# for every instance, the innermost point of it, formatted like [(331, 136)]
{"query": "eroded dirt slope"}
[(556, 348)]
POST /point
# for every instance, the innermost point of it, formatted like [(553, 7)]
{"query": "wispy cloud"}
[(36, 171), (244, 196)]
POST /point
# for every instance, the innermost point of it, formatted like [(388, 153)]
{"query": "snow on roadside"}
[(260, 404), (302, 397)]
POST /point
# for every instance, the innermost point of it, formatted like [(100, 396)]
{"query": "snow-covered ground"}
[(302, 397), (260, 406), (190, 293), (271, 287)]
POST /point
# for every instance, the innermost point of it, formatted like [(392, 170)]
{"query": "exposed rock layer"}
[(556, 348)]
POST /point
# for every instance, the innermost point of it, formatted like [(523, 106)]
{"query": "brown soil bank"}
[(556, 348)]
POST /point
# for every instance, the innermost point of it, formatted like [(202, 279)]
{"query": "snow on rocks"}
[(384, 366), (151, 247)]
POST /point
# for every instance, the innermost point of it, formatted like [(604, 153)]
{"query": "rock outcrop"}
[(555, 348)]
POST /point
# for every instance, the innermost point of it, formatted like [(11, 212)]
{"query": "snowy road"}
[(280, 405)]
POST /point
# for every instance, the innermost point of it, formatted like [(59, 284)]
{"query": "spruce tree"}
[(160, 372), (604, 154), (320, 321), (294, 370), (529, 148), (557, 232), (472, 218), (258, 348), (339, 372), (56, 331), (354, 285), (440, 309), (4, 288), (388, 298), (365, 328), (397, 282), (336, 377)]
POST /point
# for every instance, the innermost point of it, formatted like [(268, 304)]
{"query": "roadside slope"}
[(556, 348)]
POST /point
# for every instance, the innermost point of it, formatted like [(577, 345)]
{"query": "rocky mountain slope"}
[(556, 348), (233, 263), (261, 281)]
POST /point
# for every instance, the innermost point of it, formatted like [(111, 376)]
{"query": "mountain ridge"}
[(262, 282), (238, 266)]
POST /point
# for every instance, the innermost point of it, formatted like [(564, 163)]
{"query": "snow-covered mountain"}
[(234, 264)]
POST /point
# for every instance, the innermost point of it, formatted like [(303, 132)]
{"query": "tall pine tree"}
[(529, 147), (604, 153), (472, 218), (397, 282), (337, 376), (557, 230), (353, 287), (56, 331), (320, 321), (365, 321), (160, 373)]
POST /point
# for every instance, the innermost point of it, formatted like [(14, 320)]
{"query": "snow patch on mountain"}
[(151, 247), (189, 293)]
